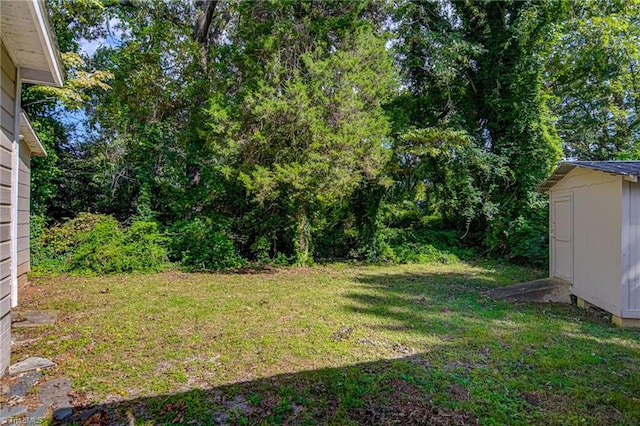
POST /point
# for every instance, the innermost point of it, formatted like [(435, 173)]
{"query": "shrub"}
[(96, 244), (523, 239), (260, 249), (422, 253), (199, 244), (424, 245), (146, 247)]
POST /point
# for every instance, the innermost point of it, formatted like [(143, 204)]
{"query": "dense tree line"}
[(303, 129)]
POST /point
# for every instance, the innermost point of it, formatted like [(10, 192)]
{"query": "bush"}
[(422, 253), (260, 249), (525, 238), (426, 245), (96, 244), (200, 245)]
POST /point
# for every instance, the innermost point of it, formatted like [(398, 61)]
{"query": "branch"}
[(40, 101)]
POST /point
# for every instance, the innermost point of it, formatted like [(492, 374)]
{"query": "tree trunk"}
[(203, 21), (302, 237)]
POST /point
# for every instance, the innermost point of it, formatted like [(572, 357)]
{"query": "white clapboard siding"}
[(6, 138), (5, 214), (5, 197), (5, 285), (5, 341), (5, 232), (5, 250), (5, 304), (5, 177), (24, 189), (7, 125), (23, 243), (5, 158), (5, 269)]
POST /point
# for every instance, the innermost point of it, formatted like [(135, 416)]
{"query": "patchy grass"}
[(412, 344)]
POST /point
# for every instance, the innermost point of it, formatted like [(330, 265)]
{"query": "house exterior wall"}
[(24, 212), (597, 236), (631, 250), (29, 52), (8, 75)]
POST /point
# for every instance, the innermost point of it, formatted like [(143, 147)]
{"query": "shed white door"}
[(562, 236)]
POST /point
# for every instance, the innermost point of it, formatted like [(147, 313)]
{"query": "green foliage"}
[(200, 244), (37, 229), (593, 70), (97, 244), (314, 127), (525, 238), (423, 245), (418, 253), (329, 129), (260, 249), (445, 169)]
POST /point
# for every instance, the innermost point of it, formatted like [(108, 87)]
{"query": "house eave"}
[(29, 136), (28, 34)]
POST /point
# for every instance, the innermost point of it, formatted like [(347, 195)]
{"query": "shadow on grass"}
[(451, 357), (383, 392), (412, 390)]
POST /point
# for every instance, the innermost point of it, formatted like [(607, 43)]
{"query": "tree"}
[(311, 126), (62, 179), (475, 69), (593, 70)]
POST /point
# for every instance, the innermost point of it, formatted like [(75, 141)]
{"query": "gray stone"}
[(30, 364), (7, 413), (84, 415), (36, 416), (62, 413), (24, 384), (544, 290), (19, 390), (55, 393), (27, 319)]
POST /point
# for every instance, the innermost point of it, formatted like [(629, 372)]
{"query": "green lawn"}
[(338, 344)]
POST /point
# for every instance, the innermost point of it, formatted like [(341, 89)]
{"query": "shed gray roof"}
[(625, 168)]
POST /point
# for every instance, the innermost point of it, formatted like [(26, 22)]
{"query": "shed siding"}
[(632, 263), (7, 124), (597, 240)]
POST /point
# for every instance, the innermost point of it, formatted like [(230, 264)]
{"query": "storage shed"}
[(28, 53), (594, 226)]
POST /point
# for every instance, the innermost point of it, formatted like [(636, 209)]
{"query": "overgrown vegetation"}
[(413, 344), (295, 131), (201, 245), (96, 244)]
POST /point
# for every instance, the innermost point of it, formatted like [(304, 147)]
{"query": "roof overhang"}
[(28, 135), (28, 35), (630, 170), (558, 174)]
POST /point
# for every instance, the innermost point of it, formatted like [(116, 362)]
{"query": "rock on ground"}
[(30, 364)]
